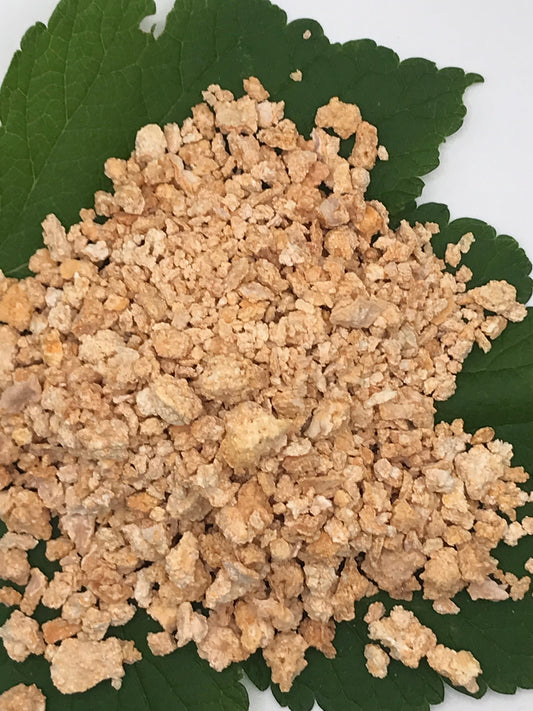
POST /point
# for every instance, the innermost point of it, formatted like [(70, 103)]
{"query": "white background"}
[(485, 169)]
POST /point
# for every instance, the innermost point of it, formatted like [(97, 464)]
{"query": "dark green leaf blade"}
[(507, 368), (161, 82), (65, 91), (80, 88)]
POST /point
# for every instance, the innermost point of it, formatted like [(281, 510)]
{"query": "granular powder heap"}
[(224, 391)]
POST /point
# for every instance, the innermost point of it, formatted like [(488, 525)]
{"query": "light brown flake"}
[(251, 432), (341, 117), (23, 698), (78, 665), (377, 661), (408, 640), (461, 668), (21, 636), (285, 656)]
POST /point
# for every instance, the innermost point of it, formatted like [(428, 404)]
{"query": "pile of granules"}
[(224, 391)]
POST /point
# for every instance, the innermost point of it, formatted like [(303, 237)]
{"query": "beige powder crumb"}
[(77, 665), (23, 698), (466, 241), (130, 199), (285, 656), (408, 640), (307, 34), (33, 593), (518, 586), (527, 525), (58, 548), (514, 533), (251, 432), (452, 255), (14, 566), (341, 117), (377, 661), (16, 309), (161, 643), (150, 143), (500, 298), (529, 565), (21, 637), (487, 590), (59, 629), (461, 668), (446, 607), (181, 561), (9, 596), (239, 116), (254, 89), (191, 626), (173, 401), (296, 75), (221, 647), (375, 612), (365, 150)]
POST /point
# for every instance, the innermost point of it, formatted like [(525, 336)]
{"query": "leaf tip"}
[(473, 78)]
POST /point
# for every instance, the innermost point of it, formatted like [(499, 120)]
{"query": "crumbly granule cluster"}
[(224, 391), (409, 641), (23, 698)]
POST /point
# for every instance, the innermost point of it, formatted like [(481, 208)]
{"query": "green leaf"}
[(75, 94), (80, 88), (506, 370)]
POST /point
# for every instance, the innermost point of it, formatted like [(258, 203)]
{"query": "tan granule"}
[(21, 637), (225, 393), (286, 658), (518, 587), (452, 255), (9, 596), (341, 117), (377, 660), (161, 643), (307, 34), (408, 640), (14, 566), (79, 665), (59, 629), (514, 533), (466, 241), (16, 309), (375, 612), (296, 75), (461, 668), (446, 607), (34, 591), (527, 525), (23, 698)]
